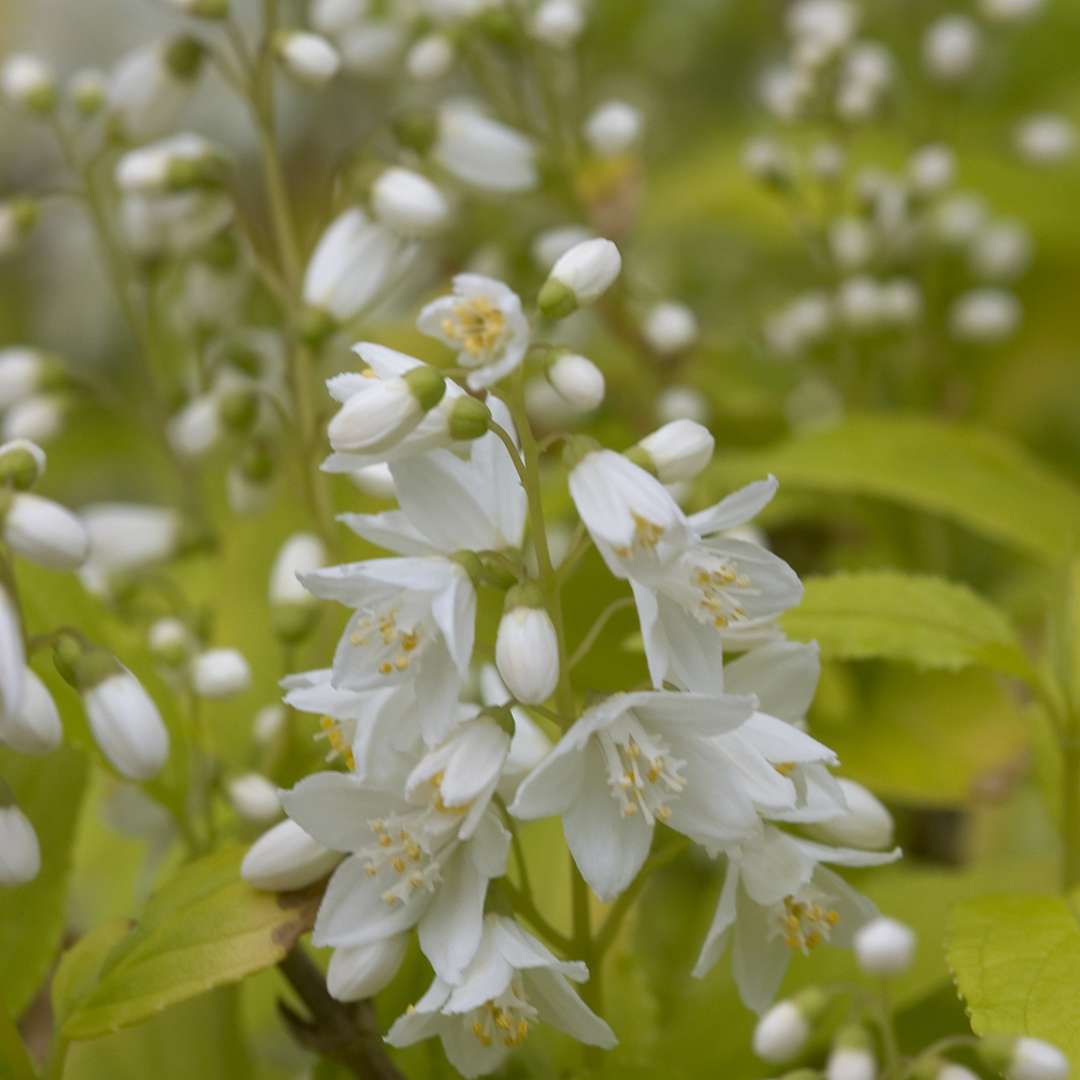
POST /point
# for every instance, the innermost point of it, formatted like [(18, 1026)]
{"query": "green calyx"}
[(185, 173), (294, 622), (556, 300), (184, 57), (83, 666), (19, 469), (471, 563), (528, 595), (416, 129), (315, 325), (469, 419), (812, 1003), (426, 385), (576, 448)]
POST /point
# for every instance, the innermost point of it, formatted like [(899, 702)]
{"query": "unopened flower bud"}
[(269, 721), (884, 947), (578, 381), (176, 163), (558, 23), (409, 203), (677, 451), (378, 417), (12, 656), (23, 372), (361, 971), (866, 823), (34, 727), (613, 128), (171, 642), (220, 673), (22, 464), (309, 58), (468, 419), (20, 855), (670, 328), (43, 531), (254, 798), (285, 858), (39, 418), (1024, 1058), (294, 610), (28, 82), (527, 648), (430, 58), (580, 276), (783, 1031), (852, 1055)]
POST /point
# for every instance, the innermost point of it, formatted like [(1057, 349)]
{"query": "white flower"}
[(670, 328), (39, 418), (372, 48), (851, 242), (353, 264), (28, 82), (302, 553), (220, 673), (379, 413), (125, 722), (484, 321), (254, 797), (374, 480), (527, 652), (931, 168), (307, 57), (959, 219), (482, 152), (629, 762), (682, 403), (34, 726), (1002, 251), (782, 1033), (361, 971), (176, 224), (170, 641), (286, 858), (20, 854), (558, 23), (884, 947), (23, 371), (858, 302), (779, 898), (1034, 1059), (900, 302), (44, 532), (430, 58), (150, 85), (12, 658), (826, 25), (577, 380), (951, 47), (767, 161), (126, 537), (1009, 10), (613, 128), (409, 203), (512, 983), (579, 277), (182, 160), (1045, 139), (863, 822), (678, 451), (852, 1063), (984, 316), (331, 17), (421, 848)]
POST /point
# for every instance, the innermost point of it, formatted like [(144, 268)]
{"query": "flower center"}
[(339, 743), (715, 584), (394, 646), (647, 534), (506, 1017), (477, 326), (642, 774), (804, 921)]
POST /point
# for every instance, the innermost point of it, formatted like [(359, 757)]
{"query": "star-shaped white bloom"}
[(630, 762), (778, 898), (421, 847), (483, 320), (513, 983)]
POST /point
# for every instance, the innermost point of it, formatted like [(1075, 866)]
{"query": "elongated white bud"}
[(670, 328), (361, 971), (613, 128), (34, 727), (580, 276), (781, 1033), (578, 381), (220, 673), (44, 531), (20, 855), (286, 858), (409, 203), (307, 57), (852, 1055), (12, 657), (430, 58), (28, 82), (558, 23), (677, 451), (39, 418), (1024, 1058), (884, 947), (866, 823), (23, 371), (378, 416), (269, 721), (254, 798), (527, 648), (300, 554)]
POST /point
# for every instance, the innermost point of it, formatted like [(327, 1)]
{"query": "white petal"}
[(716, 939), (523, 951), (560, 1006), (335, 808), (454, 612), (361, 971), (450, 928), (353, 911), (759, 958), (775, 867), (783, 674), (736, 509), (391, 530)]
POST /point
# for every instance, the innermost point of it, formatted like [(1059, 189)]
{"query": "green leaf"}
[(974, 477), (80, 967), (15, 1063), (206, 927), (892, 616), (49, 790), (1016, 962)]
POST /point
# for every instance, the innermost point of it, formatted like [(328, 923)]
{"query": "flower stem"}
[(890, 1048)]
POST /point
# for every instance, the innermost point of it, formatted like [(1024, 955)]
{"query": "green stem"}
[(1070, 812), (890, 1048), (597, 628)]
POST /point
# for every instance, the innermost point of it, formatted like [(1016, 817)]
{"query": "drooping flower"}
[(512, 983)]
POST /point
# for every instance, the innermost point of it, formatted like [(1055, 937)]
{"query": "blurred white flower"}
[(220, 673), (670, 328), (309, 58), (482, 152), (409, 203), (985, 316), (20, 853), (1045, 139), (558, 23), (613, 128), (430, 58), (951, 47)]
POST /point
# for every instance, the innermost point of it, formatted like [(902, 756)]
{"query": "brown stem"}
[(344, 1033)]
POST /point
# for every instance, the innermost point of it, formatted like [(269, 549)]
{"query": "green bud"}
[(556, 300), (93, 668), (416, 129), (528, 595), (427, 386), (18, 469), (315, 325), (472, 564), (469, 419), (496, 573), (184, 57), (239, 409), (293, 623), (67, 652), (576, 447)]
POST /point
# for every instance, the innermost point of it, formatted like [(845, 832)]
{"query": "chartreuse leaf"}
[(971, 476), (886, 615), (204, 928), (1016, 962), (49, 790)]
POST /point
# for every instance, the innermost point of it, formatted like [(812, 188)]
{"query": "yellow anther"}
[(785, 768)]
